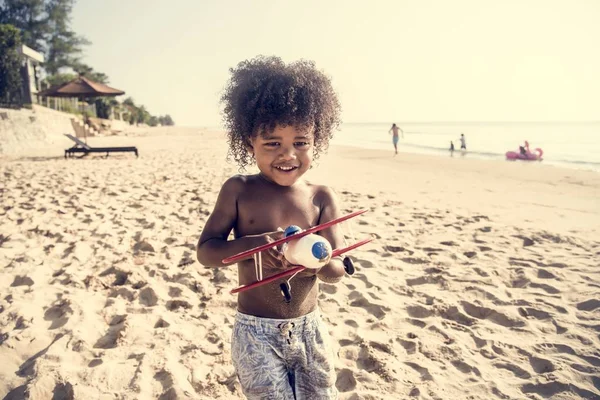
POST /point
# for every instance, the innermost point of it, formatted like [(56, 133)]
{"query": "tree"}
[(88, 72), (103, 106), (64, 47), (10, 64), (45, 26), (166, 120), (29, 17), (143, 115), (59, 79)]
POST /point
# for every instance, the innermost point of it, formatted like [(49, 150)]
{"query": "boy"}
[(280, 117)]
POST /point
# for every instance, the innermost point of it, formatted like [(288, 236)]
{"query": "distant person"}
[(451, 148), (522, 150), (463, 142), (394, 129)]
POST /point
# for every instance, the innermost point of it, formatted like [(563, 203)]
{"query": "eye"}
[(302, 144), (271, 144)]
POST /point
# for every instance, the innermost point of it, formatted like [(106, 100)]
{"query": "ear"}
[(250, 146)]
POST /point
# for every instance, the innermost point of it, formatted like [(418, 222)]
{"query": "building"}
[(30, 74)]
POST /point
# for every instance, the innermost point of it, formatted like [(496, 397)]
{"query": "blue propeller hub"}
[(320, 251), (292, 230)]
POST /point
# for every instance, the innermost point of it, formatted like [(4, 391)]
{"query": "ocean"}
[(567, 144)]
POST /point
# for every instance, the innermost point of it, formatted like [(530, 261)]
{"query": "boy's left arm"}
[(333, 271)]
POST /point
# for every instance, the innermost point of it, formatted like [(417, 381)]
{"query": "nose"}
[(287, 153)]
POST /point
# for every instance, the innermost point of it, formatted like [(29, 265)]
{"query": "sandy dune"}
[(483, 283)]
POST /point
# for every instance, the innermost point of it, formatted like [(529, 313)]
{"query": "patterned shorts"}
[(283, 358)]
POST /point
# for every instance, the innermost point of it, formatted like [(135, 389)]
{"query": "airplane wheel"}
[(286, 291), (348, 265)]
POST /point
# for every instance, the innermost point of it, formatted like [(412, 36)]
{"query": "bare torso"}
[(264, 207)]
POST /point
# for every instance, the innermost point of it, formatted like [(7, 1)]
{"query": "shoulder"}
[(241, 183), (324, 195), (236, 184)]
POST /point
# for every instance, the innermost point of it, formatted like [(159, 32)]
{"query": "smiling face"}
[(284, 155)]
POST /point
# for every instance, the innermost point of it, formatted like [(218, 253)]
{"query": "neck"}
[(270, 182)]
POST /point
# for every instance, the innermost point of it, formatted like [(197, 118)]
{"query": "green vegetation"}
[(10, 79), (45, 26), (139, 114)]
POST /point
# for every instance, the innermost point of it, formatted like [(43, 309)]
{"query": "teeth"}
[(286, 168)]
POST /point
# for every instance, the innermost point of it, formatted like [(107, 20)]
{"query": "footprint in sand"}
[(174, 305), (175, 291), (409, 345), (452, 313), (368, 361), (427, 279), (533, 312), (394, 249), (345, 382), (544, 274), (148, 297), (424, 372), (358, 300), (481, 272), (364, 279), (95, 362), (553, 348), (415, 260), (364, 263), (329, 289), (22, 281), (114, 334), (465, 368), (515, 369), (166, 381), (161, 323), (417, 311), (59, 313), (119, 276), (550, 390), (63, 391), (589, 305), (351, 323), (417, 322), (490, 314), (449, 243), (122, 292), (541, 365), (547, 288)]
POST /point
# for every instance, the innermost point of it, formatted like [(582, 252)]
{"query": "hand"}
[(273, 257)]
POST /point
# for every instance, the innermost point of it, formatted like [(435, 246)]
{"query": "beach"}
[(482, 282)]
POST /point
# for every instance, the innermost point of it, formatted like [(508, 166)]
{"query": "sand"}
[(483, 281)]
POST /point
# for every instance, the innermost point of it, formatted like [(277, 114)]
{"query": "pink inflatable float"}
[(525, 154)]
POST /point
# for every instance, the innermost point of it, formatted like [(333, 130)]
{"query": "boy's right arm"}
[(213, 245)]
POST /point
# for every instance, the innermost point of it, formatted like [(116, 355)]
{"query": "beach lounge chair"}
[(82, 147)]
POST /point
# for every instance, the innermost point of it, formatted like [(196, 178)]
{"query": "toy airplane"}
[(299, 247)]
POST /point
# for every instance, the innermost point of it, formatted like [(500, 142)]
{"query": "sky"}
[(389, 61)]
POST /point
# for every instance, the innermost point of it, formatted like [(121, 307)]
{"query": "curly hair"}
[(264, 93)]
